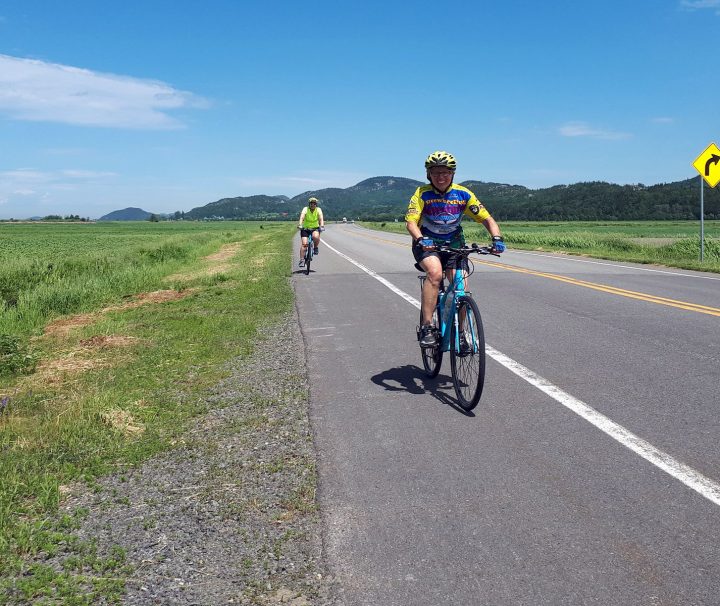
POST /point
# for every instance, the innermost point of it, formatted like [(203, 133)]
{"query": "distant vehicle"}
[(344, 219)]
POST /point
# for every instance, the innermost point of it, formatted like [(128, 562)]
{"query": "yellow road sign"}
[(708, 165)]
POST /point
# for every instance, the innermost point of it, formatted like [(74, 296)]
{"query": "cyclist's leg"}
[(430, 263), (433, 269), (303, 246), (316, 239)]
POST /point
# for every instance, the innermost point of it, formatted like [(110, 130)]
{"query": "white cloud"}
[(583, 129), (86, 174), (49, 92), (701, 4), (294, 184)]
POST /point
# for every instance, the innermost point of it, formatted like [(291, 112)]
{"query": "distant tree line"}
[(386, 199)]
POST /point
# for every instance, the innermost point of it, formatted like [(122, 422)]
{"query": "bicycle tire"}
[(432, 356), (468, 368), (308, 257)]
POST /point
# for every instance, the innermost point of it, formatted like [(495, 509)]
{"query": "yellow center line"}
[(703, 309)]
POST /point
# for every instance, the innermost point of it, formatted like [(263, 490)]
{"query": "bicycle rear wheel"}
[(432, 356), (468, 364)]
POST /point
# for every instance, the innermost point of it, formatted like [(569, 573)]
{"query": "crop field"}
[(109, 335), (55, 269), (671, 243)]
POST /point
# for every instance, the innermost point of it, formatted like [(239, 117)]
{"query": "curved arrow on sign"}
[(714, 159)]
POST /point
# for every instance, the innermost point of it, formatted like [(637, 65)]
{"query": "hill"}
[(259, 207), (598, 201), (386, 198), (127, 214)]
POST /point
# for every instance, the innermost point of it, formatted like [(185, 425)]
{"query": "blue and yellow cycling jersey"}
[(438, 215)]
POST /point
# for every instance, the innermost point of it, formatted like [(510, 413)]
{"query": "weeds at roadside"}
[(137, 403)]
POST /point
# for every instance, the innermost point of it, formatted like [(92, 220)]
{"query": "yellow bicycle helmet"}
[(441, 158), (311, 200)]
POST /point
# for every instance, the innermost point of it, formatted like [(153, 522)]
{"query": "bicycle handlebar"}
[(468, 250)]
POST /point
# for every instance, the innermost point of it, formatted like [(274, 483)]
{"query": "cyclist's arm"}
[(321, 218), (491, 226), (480, 214), (413, 230), (476, 211), (412, 216), (302, 216)]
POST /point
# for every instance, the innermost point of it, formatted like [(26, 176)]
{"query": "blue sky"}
[(169, 105)]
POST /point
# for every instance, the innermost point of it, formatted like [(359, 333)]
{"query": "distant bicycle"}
[(308, 256), (309, 249), (459, 328)]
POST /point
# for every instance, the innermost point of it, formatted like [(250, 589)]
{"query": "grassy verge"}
[(671, 243), (119, 380)]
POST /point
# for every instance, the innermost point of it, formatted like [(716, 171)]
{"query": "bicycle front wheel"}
[(467, 354), (432, 356), (308, 258)]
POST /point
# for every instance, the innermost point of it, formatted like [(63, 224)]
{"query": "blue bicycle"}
[(310, 248), (458, 325)]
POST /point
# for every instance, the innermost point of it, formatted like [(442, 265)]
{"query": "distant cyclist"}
[(433, 217), (311, 223)]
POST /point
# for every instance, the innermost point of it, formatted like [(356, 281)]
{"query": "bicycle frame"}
[(448, 311)]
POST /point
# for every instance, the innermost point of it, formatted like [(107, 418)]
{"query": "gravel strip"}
[(230, 515)]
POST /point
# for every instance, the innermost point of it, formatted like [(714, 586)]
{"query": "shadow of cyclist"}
[(412, 379)]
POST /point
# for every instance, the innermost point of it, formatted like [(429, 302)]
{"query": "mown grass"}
[(671, 243), (121, 384)]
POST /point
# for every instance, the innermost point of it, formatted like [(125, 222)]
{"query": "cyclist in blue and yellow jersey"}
[(433, 217), (311, 224)]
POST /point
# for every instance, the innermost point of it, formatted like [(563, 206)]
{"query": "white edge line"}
[(685, 474)]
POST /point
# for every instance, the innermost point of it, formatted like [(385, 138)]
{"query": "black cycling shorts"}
[(448, 260), (307, 233)]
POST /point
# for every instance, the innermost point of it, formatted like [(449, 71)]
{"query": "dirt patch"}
[(62, 326), (219, 264), (69, 364), (55, 372), (123, 421), (225, 253), (106, 341), (157, 296)]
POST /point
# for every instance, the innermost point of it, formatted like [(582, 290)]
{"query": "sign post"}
[(708, 165)]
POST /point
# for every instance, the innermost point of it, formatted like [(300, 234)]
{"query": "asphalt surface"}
[(522, 501)]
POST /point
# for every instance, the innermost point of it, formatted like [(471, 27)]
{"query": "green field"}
[(671, 243), (110, 335)]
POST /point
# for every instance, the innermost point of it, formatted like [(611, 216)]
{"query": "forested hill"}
[(127, 214), (250, 207), (598, 201), (386, 198)]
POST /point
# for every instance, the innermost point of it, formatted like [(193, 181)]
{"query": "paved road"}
[(602, 489)]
